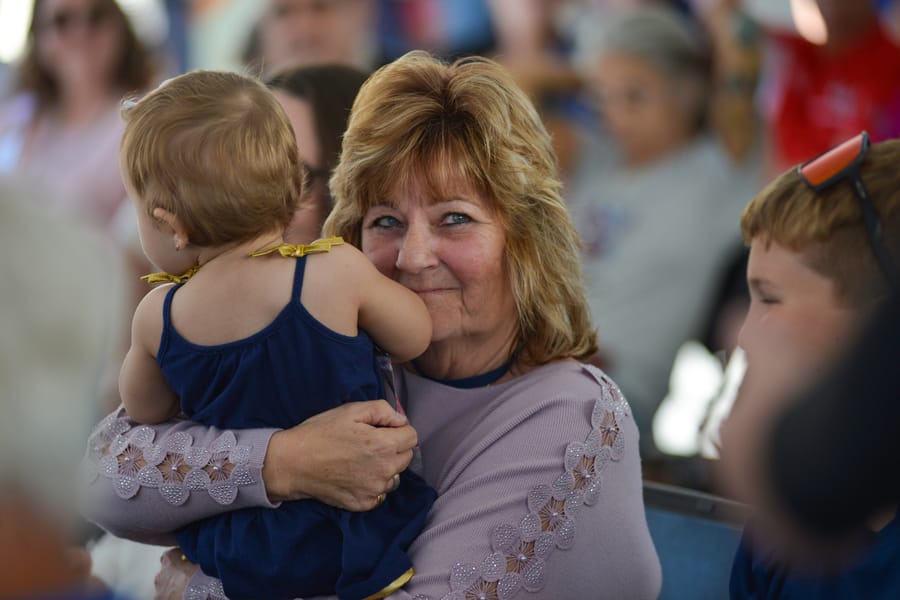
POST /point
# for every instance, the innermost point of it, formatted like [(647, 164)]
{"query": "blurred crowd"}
[(668, 117)]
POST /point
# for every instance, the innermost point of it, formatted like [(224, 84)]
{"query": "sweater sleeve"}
[(142, 482)]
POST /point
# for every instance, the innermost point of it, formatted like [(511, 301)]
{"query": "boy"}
[(819, 239)]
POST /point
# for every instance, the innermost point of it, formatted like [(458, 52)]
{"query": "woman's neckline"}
[(475, 381)]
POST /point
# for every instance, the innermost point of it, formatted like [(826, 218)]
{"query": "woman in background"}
[(317, 100), (657, 199), (62, 124)]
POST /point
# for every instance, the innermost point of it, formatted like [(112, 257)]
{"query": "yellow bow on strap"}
[(298, 250), (154, 278)]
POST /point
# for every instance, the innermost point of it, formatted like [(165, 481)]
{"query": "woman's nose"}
[(416, 250)]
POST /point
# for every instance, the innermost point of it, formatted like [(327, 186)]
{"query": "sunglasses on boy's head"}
[(843, 162)]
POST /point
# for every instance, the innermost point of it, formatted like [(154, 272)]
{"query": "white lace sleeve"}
[(130, 458), (139, 478), (203, 587)]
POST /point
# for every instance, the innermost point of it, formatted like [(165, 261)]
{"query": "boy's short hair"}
[(827, 226), (217, 150)]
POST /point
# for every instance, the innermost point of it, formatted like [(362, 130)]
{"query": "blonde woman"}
[(448, 183)]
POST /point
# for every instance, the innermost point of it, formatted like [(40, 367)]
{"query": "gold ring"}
[(183, 558), (395, 482), (379, 499)]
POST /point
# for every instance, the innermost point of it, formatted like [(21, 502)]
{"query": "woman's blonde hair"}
[(422, 122), (217, 150), (827, 226)]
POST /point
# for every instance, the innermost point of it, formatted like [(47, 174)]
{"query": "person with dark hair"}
[(317, 100), (62, 123), (292, 33)]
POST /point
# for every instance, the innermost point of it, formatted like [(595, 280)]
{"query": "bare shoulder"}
[(344, 267), (345, 258), (148, 317), (152, 302), (350, 256)]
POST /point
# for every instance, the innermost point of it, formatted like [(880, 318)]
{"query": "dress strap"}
[(298, 278), (298, 250), (167, 306), (167, 323)]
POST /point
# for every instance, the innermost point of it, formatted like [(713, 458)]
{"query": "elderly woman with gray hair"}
[(656, 198)]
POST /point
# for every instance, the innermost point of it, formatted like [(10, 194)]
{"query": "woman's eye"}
[(455, 219), (385, 222)]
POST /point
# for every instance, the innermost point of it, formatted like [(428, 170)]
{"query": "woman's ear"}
[(179, 231)]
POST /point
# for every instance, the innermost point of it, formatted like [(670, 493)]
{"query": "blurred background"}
[(667, 117)]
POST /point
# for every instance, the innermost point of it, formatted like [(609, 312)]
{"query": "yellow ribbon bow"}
[(162, 277), (298, 250), (286, 250)]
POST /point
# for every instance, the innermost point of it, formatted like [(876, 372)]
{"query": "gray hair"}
[(61, 303), (656, 35)]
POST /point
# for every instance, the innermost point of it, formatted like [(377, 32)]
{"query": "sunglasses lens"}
[(61, 21), (64, 21), (830, 165), (97, 15)]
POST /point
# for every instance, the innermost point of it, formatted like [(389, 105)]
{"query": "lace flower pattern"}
[(211, 590), (130, 458), (520, 551)]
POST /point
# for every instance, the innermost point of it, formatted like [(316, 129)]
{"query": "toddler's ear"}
[(179, 231)]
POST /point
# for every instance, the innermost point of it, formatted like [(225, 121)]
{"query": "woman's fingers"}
[(344, 457), (174, 574), (377, 413)]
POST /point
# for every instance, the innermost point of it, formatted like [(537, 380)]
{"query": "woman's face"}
[(640, 107), (298, 32), (79, 41), (451, 251), (306, 225)]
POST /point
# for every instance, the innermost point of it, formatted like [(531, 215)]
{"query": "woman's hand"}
[(173, 576), (346, 457)]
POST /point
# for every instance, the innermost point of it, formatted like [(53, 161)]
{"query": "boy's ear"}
[(179, 231)]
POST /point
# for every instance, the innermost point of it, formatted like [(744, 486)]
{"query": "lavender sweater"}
[(538, 479)]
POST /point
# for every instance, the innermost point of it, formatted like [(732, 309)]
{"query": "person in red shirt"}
[(822, 94)]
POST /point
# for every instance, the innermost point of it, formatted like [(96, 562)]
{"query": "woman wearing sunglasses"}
[(63, 126)]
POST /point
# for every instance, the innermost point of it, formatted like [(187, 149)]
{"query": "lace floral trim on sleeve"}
[(520, 551), (130, 458), (210, 590)]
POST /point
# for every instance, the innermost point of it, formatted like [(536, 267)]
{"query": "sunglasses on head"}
[(67, 20), (843, 162)]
